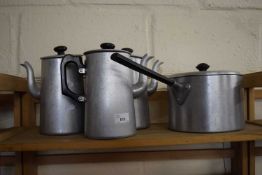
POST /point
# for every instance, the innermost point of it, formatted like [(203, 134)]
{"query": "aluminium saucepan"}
[(204, 101)]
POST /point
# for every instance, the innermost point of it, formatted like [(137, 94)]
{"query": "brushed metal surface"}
[(215, 104), (140, 87), (31, 83), (59, 114), (109, 111), (153, 84), (141, 103)]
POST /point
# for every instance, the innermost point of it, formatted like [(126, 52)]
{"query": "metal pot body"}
[(141, 103), (110, 106), (59, 114), (142, 111), (214, 104)]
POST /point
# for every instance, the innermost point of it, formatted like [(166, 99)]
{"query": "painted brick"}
[(98, 2), (7, 170), (31, 2), (127, 168), (185, 167), (258, 144), (258, 167), (81, 29), (5, 35), (225, 40), (140, 2), (182, 33), (258, 109), (181, 167), (6, 119), (232, 4)]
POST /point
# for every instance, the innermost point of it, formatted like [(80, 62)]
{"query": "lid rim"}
[(56, 56), (205, 73), (105, 50)]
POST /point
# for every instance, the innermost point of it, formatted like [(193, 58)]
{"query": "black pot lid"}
[(60, 50), (203, 67), (131, 51), (106, 47)]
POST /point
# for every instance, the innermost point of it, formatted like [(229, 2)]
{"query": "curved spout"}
[(152, 86), (33, 89), (141, 85)]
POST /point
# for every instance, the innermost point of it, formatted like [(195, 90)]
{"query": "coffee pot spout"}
[(141, 85), (152, 86), (33, 89)]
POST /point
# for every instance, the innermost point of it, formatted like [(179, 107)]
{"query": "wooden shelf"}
[(7, 133), (12, 83), (29, 139), (255, 122), (153, 142)]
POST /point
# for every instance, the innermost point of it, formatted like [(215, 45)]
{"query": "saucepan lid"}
[(202, 71)]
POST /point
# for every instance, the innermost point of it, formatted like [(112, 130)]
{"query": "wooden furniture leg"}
[(250, 104), (251, 157), (29, 166), (17, 123), (17, 109), (18, 164), (28, 111), (239, 163)]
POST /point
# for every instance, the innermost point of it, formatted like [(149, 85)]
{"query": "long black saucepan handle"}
[(181, 90), (139, 68)]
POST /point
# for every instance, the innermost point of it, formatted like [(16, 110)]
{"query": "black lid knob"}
[(60, 50), (202, 67), (107, 46), (128, 49)]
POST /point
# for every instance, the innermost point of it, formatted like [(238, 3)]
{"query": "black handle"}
[(137, 67), (65, 89), (182, 89), (128, 49), (60, 50), (107, 46), (202, 67)]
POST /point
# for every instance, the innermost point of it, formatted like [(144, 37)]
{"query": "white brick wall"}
[(81, 29), (171, 167), (232, 4), (182, 33)]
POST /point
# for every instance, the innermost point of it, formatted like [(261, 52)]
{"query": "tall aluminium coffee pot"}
[(141, 103), (59, 114), (109, 93)]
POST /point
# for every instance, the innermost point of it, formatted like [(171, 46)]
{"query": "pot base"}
[(207, 132), (109, 138)]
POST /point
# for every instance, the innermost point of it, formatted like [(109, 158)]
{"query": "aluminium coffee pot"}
[(59, 114), (202, 101), (109, 93), (141, 103)]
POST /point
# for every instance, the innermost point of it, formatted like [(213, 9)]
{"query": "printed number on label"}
[(121, 118)]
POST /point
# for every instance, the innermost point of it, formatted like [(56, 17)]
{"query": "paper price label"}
[(121, 118)]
